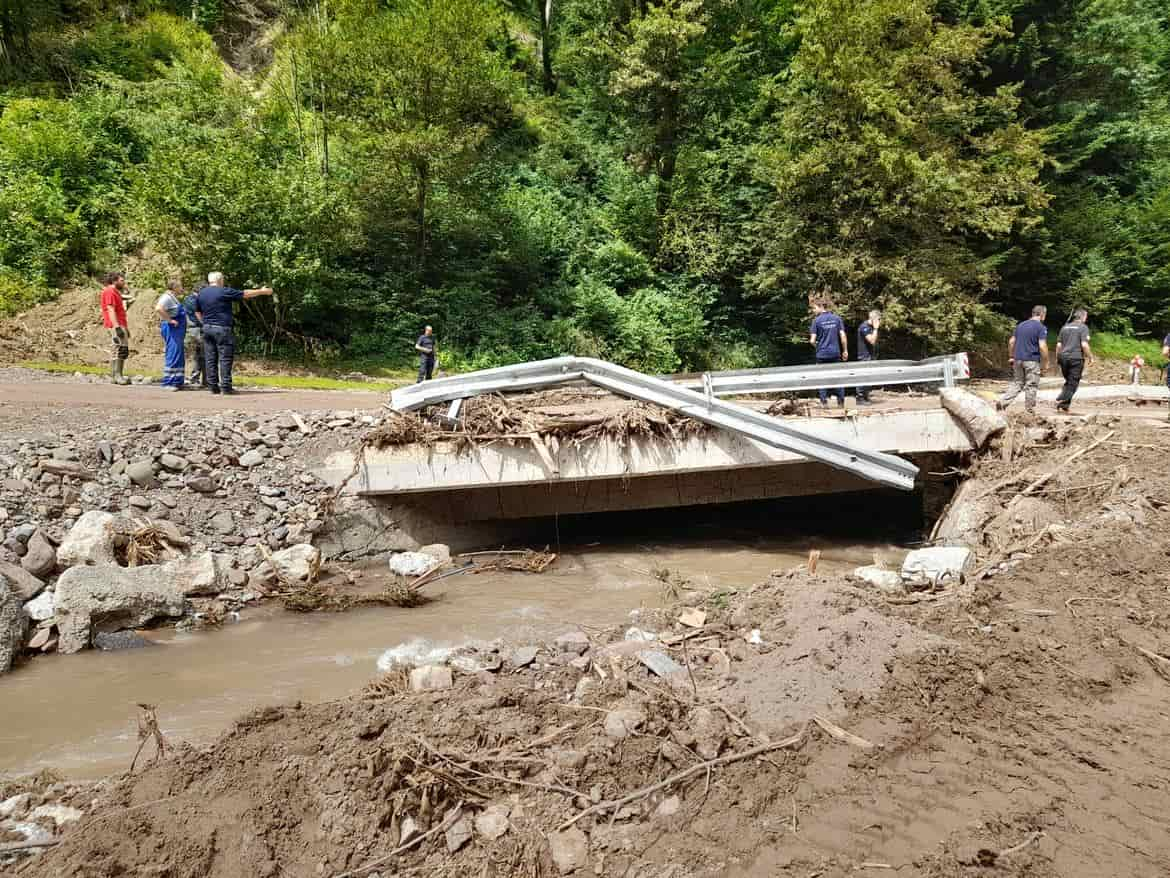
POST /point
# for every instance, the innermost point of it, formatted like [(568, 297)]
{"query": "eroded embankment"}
[(1010, 722)]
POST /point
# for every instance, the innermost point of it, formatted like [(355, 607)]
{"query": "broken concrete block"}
[(431, 677), (298, 563), (937, 563), (411, 564), (693, 617), (111, 598), (886, 580)]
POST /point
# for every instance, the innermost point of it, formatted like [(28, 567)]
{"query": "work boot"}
[(116, 368)]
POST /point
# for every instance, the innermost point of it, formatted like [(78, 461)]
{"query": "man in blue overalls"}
[(827, 335)]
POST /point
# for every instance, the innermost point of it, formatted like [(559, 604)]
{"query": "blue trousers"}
[(174, 359), (840, 391), (219, 351)]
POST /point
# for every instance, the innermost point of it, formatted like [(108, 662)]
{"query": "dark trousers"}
[(862, 392), (426, 365), (1071, 370), (840, 391), (219, 350)]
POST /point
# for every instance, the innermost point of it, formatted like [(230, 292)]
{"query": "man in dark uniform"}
[(213, 306), (1072, 350), (827, 335), (426, 355), (195, 342), (1028, 357), (867, 349)]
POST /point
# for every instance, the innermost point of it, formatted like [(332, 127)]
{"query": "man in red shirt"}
[(114, 319)]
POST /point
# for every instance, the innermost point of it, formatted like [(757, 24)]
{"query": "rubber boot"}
[(119, 378), (114, 370)]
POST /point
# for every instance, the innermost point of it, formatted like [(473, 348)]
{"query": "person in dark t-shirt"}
[(213, 307), (1072, 351), (867, 349), (426, 355), (1028, 357), (827, 335)]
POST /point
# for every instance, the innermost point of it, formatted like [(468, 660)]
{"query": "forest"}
[(662, 183)]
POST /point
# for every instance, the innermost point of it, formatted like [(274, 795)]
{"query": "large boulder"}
[(412, 564), (21, 581), (300, 563), (89, 542), (202, 574), (110, 598), (937, 564), (13, 625)]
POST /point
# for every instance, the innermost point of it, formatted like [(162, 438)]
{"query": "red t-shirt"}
[(112, 299)]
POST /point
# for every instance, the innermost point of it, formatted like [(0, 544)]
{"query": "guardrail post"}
[(948, 372)]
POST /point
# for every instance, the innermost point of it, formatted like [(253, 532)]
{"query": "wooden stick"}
[(1016, 848), (552, 788), (28, 845), (1048, 475), (414, 842), (835, 731), (1076, 600), (613, 804)]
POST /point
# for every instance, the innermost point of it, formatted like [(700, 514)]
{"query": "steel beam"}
[(876, 466)]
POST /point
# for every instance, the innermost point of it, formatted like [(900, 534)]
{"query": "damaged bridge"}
[(737, 451)]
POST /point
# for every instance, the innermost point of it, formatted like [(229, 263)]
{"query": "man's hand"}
[(876, 323), (844, 356), (173, 322)]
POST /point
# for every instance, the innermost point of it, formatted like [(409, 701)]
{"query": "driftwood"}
[(978, 418)]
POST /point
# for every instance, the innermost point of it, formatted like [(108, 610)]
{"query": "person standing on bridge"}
[(827, 336), (426, 355), (1165, 356), (173, 328), (213, 307), (113, 307), (867, 349), (1028, 356), (1072, 350)]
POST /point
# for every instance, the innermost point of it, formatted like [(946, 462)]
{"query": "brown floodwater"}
[(76, 714)]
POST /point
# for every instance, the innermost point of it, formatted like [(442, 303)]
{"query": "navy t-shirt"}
[(215, 304), (865, 351), (1166, 342), (827, 328), (1029, 334), (428, 342)]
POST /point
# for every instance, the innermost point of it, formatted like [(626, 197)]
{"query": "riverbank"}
[(1011, 720)]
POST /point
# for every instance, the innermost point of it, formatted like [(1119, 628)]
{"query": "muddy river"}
[(77, 713)]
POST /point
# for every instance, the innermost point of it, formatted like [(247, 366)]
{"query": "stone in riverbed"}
[(42, 607), (24, 584), (110, 598), (202, 484), (297, 563), (172, 462), (411, 564), (13, 625), (140, 502), (222, 523), (90, 541), (141, 473), (251, 458), (112, 641)]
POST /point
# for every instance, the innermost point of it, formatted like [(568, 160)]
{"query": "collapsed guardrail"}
[(886, 469)]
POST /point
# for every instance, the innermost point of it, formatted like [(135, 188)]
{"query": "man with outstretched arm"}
[(213, 308), (867, 349), (1072, 353), (114, 319), (1028, 357), (426, 355), (827, 335)]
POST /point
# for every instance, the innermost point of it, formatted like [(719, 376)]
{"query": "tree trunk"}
[(422, 181), (667, 150), (544, 7)]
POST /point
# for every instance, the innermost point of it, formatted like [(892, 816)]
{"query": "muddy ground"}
[(1011, 725)]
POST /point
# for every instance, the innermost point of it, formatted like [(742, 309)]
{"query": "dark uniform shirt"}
[(865, 350), (1071, 337), (1029, 334), (215, 304), (428, 342), (827, 327)]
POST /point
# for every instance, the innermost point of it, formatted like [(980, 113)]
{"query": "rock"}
[(41, 608), (106, 450), (141, 473), (570, 850), (523, 657), (140, 502), (70, 468), (937, 563), (112, 641), (110, 598), (24, 532), (43, 639), (202, 574), (570, 760), (411, 564), (89, 542), (59, 814), (431, 677), (573, 641), (15, 546), (886, 580), (172, 462), (13, 625), (24, 584), (710, 731), (15, 807), (299, 563), (459, 833), (667, 808), (64, 454), (202, 484), (662, 665), (622, 722), (223, 523), (492, 821), (439, 551), (693, 617), (252, 458), (408, 831)]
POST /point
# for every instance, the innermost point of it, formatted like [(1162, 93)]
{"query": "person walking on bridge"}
[(1028, 357), (426, 355), (213, 307), (1072, 352), (113, 307), (1166, 356), (827, 335), (173, 328), (867, 349)]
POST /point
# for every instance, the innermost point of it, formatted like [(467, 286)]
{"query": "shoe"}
[(172, 388), (215, 390), (1062, 408), (230, 391)]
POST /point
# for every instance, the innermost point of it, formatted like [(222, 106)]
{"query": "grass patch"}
[(1111, 346), (288, 382)]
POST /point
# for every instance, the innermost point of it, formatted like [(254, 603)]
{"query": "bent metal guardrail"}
[(866, 373), (886, 469)]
